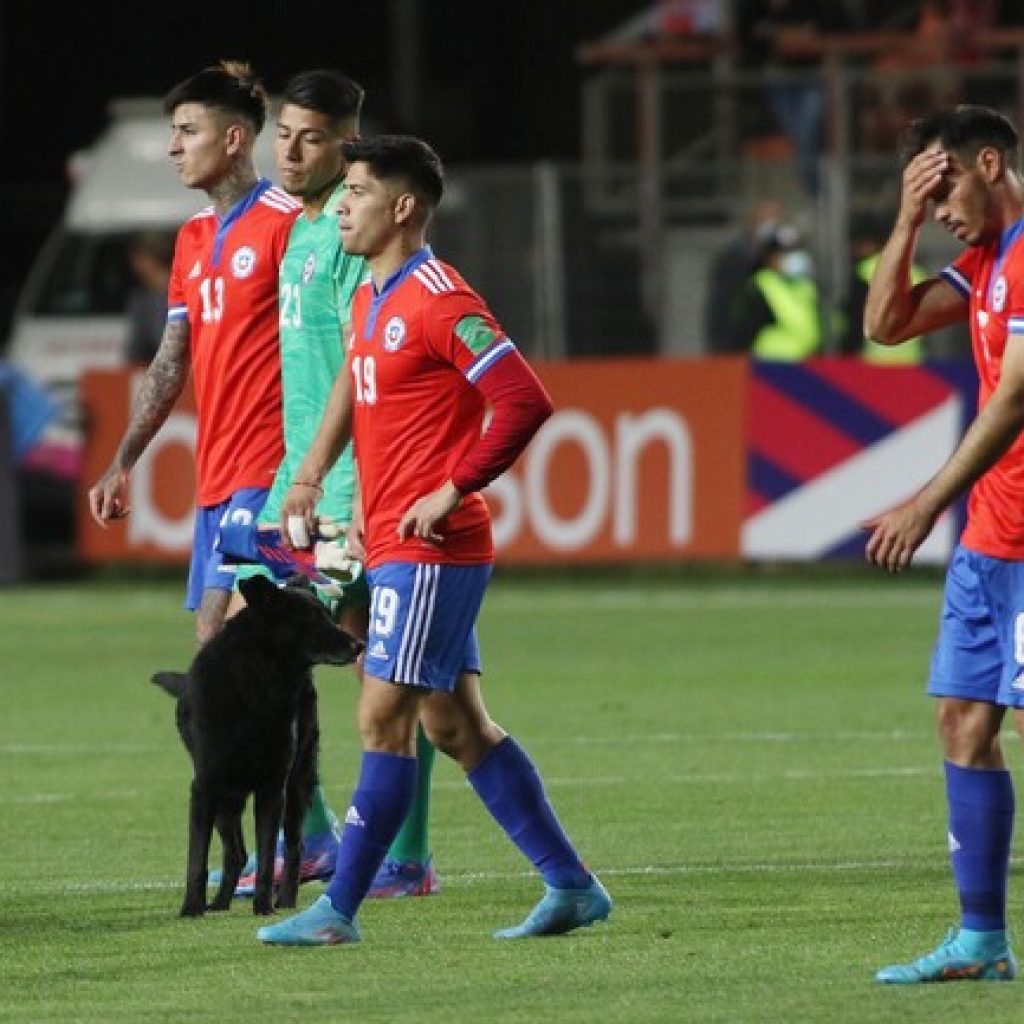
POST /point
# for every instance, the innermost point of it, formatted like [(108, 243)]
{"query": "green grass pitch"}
[(748, 763)]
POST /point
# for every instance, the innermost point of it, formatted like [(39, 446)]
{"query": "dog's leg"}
[(288, 891), (229, 827), (298, 796), (200, 830), (269, 804)]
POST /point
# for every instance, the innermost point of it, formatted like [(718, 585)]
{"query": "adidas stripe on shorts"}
[(423, 622)]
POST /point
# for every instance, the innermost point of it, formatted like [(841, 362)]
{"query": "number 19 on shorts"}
[(384, 610)]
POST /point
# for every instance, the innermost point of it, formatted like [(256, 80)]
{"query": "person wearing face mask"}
[(868, 239), (731, 266), (778, 317)]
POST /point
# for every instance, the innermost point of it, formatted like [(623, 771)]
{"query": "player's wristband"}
[(308, 483)]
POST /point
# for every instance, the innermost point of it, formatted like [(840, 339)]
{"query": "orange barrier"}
[(162, 493), (643, 460)]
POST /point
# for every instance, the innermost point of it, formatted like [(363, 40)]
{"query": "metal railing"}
[(669, 132)]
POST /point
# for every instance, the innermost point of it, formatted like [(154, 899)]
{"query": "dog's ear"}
[(172, 682), (258, 592)]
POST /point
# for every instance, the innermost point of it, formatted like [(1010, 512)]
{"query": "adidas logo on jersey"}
[(352, 817), (196, 270), (378, 650)]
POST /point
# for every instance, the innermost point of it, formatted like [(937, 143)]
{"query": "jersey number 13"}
[(211, 291)]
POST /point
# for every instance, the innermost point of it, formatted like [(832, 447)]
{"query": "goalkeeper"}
[(320, 110)]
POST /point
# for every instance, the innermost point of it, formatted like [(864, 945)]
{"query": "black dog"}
[(247, 714)]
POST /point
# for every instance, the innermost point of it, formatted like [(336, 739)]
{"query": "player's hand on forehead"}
[(925, 177), (931, 165)]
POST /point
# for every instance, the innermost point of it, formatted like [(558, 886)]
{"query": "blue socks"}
[(508, 784), (381, 800), (981, 806)]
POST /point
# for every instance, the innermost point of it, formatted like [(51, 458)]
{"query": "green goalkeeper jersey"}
[(317, 281)]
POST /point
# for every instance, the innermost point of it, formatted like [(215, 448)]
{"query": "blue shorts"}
[(207, 570), (979, 654), (423, 622)]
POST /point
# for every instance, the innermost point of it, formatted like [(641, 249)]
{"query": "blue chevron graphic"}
[(818, 396)]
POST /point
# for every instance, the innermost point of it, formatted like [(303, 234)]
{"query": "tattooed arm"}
[(160, 389)]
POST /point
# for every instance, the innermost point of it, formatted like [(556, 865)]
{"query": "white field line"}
[(60, 597), (712, 598), (64, 749), (735, 778), (666, 596), (582, 782), (639, 739), (65, 798), (632, 740), (459, 878)]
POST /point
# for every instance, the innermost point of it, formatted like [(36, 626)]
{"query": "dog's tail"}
[(172, 682)]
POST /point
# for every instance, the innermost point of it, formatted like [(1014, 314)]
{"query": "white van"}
[(70, 315)]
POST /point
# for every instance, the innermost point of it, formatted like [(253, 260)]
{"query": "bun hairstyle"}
[(230, 86)]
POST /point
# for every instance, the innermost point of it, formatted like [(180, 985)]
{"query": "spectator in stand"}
[(869, 237), (731, 267), (923, 76), (150, 256), (779, 315), (781, 36)]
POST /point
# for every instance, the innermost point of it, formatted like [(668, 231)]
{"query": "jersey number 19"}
[(364, 371)]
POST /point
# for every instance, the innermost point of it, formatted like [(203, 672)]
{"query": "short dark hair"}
[(401, 156), (230, 86), (963, 130), (327, 92)]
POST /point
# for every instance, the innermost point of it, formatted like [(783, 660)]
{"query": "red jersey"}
[(418, 349), (991, 277), (224, 282)]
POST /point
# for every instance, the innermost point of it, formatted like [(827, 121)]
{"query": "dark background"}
[(496, 81), (499, 80), (493, 82)]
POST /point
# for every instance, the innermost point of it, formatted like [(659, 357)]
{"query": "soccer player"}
[(426, 356), (221, 324), (963, 163), (319, 111)]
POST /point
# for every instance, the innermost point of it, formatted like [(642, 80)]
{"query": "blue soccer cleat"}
[(956, 960), (318, 925), (398, 878), (563, 910)]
